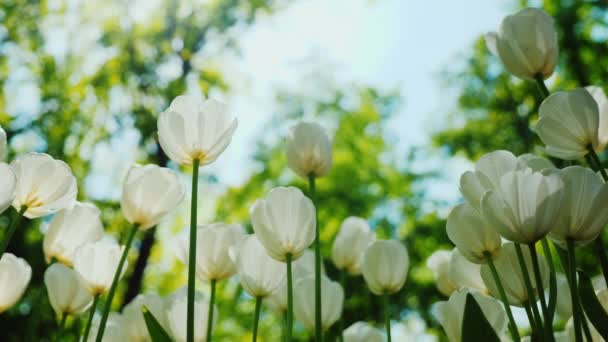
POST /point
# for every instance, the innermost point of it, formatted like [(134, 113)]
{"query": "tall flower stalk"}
[(530, 290), (503, 298), (210, 315), (192, 253), (12, 228), (576, 309), (387, 316), (87, 329), (289, 299), (256, 317), (318, 305)]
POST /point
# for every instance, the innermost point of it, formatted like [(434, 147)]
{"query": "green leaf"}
[(593, 308), (475, 326), (156, 331)]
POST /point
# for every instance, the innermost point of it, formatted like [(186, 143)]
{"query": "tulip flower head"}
[(15, 275), (97, 262), (438, 263), (134, 318), (511, 275), (309, 150), (176, 315), (472, 234), (71, 228), (350, 244), (44, 185), (526, 43), (331, 302), (602, 103), (67, 291), (191, 129), (259, 274), (465, 274), (214, 240), (451, 313), (284, 222), (569, 124), (8, 185), (385, 266), (362, 332), (149, 193)]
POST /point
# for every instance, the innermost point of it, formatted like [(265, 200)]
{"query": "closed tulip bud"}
[(309, 150), (3, 144), (134, 318), (285, 222), (332, 299), (385, 266), (149, 193), (8, 184), (438, 263), (191, 129), (213, 261), (15, 275), (584, 212), (350, 244), (451, 313), (568, 124), (97, 262), (115, 331), (259, 274), (471, 234), (525, 206), (465, 274), (67, 291), (362, 332), (526, 43), (563, 303), (44, 185), (177, 313), (602, 103), (71, 228), (511, 276)]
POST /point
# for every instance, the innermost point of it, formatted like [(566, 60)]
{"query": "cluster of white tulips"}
[(274, 265), (516, 204)]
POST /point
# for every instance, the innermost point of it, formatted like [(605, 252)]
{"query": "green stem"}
[(192, 253), (256, 317), (289, 298), (387, 317), (552, 280), (106, 310), (529, 289), (542, 87), (541, 292), (85, 336), (530, 318), (600, 251), (64, 318), (503, 297), (11, 229), (210, 315), (343, 284), (318, 307), (576, 314), (595, 160)]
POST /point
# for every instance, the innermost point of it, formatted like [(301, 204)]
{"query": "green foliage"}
[(592, 306), (475, 326), (156, 331)]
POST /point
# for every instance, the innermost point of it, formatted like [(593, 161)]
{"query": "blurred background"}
[(407, 89)]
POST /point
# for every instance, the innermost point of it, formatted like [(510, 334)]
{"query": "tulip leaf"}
[(592, 306), (475, 326), (156, 331)]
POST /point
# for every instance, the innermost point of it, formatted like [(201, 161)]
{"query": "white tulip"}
[(259, 274), (526, 205), (67, 291), (177, 313), (332, 301), (3, 145), (309, 150), (15, 275), (465, 274), (285, 222), (191, 129), (451, 313), (44, 185), (385, 266), (134, 318), (563, 305), (149, 193), (471, 234), (213, 261), (438, 263), (584, 212), (526, 43), (97, 262), (511, 276), (350, 244), (602, 103), (8, 185), (115, 331), (71, 228), (568, 124), (362, 332)]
